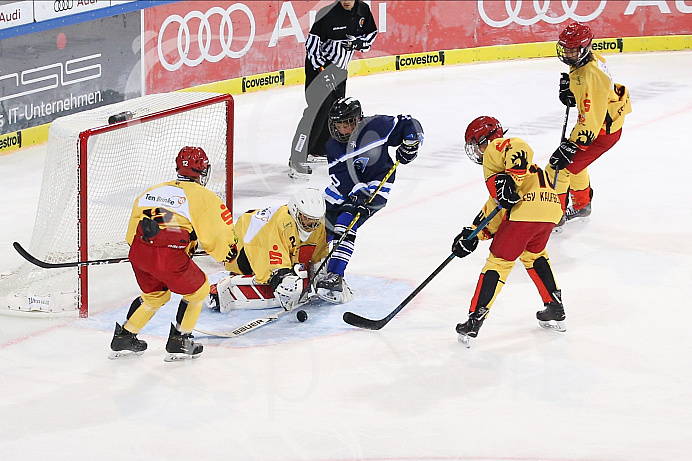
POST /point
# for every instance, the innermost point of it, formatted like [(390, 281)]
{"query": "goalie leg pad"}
[(243, 292)]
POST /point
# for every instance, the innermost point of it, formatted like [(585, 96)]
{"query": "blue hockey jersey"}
[(358, 167)]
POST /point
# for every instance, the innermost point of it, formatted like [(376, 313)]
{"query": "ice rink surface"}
[(617, 386)]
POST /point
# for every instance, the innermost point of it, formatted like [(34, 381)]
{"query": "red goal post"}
[(94, 171)]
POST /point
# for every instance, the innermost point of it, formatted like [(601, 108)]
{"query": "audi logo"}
[(62, 5), (540, 9), (204, 37)]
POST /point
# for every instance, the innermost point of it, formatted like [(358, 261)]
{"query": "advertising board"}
[(192, 43), (69, 69)]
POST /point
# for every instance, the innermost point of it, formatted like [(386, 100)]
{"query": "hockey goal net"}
[(93, 172)]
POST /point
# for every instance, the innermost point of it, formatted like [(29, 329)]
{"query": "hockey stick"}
[(564, 130), (246, 328), (252, 324), (350, 226), (94, 262), (361, 322), (46, 265)]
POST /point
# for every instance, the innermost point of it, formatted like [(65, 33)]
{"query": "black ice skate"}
[(469, 329), (331, 282), (553, 316), (180, 346), (582, 214), (125, 344)]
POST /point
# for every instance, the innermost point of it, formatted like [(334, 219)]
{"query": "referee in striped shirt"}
[(340, 29)]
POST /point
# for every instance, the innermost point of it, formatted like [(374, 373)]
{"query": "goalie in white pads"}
[(278, 247)]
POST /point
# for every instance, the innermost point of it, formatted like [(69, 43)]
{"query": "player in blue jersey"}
[(359, 160)]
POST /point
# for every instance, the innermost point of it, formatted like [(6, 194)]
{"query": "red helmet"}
[(576, 36), (483, 129), (192, 162)]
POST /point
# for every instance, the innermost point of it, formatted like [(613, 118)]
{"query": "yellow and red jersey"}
[(191, 207), (539, 201), (271, 241), (602, 103)]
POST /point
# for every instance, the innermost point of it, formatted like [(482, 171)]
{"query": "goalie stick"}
[(361, 322), (252, 324), (353, 223), (94, 262), (246, 328)]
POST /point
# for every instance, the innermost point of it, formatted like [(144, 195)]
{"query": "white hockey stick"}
[(252, 324), (248, 327)]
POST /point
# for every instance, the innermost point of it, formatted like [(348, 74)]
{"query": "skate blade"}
[(582, 219), (179, 357), (558, 229), (465, 340), (558, 325), (114, 355)]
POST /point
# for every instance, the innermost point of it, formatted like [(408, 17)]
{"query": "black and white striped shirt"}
[(334, 30)]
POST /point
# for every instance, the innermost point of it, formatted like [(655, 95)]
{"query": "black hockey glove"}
[(563, 155), (329, 80), (461, 246), (408, 149), (566, 95), (506, 191), (355, 204)]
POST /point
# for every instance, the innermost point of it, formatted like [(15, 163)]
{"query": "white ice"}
[(616, 386)]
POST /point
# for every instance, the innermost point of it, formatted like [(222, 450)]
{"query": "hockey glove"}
[(232, 253), (566, 95), (562, 157), (506, 191), (329, 80), (355, 204), (408, 150), (461, 246), (287, 287)]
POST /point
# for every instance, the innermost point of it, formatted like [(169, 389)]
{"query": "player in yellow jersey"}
[(602, 106), (278, 246), (167, 222), (531, 208)]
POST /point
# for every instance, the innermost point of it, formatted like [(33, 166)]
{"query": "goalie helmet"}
[(344, 111), (307, 208), (480, 131), (574, 45), (192, 163)]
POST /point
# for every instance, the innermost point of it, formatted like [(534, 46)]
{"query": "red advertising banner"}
[(196, 42)]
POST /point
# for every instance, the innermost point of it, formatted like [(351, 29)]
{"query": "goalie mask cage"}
[(93, 173)]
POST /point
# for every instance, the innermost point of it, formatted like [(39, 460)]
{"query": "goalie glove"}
[(287, 286), (408, 149), (507, 195), (462, 246), (566, 95), (562, 157)]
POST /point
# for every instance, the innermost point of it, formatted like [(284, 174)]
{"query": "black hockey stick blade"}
[(361, 322), (95, 262), (46, 265)]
